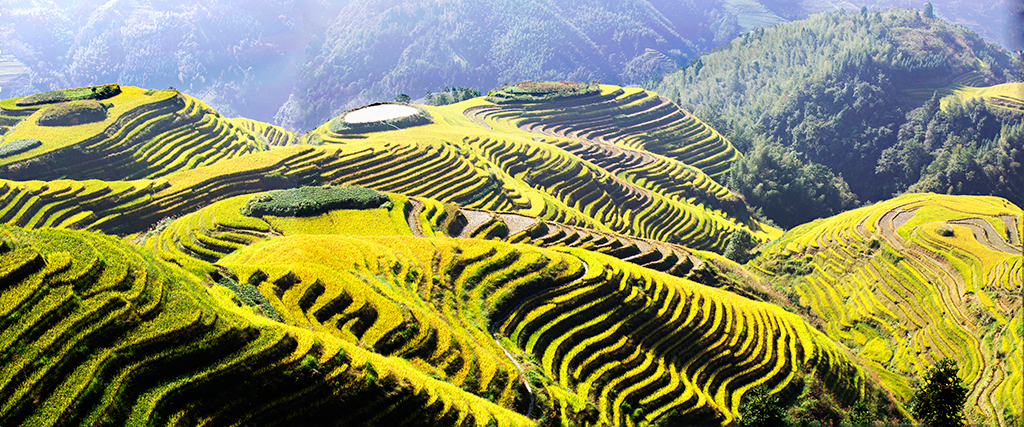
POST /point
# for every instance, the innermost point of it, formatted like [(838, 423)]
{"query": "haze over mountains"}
[(296, 63)]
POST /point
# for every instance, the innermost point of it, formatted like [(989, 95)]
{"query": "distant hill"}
[(298, 62), (831, 90)]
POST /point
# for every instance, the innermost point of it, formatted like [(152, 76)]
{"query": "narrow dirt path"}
[(522, 376), (985, 233), (414, 217)]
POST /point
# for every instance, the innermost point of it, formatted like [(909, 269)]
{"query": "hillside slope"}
[(538, 256), (833, 90), (416, 325), (454, 155), (98, 332), (114, 133), (523, 293), (914, 279)]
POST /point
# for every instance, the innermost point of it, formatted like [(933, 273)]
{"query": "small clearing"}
[(379, 113)]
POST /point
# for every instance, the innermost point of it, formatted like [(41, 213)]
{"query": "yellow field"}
[(1008, 95), (888, 282)]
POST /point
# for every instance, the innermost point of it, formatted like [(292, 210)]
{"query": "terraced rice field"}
[(577, 181), (1008, 96), (887, 281), (219, 229), (628, 120), (97, 331), (525, 269), (274, 136), (482, 163), (523, 293), (147, 134)]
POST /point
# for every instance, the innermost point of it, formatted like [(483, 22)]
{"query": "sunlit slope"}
[(219, 229), (275, 136), (97, 332), (482, 165), (618, 121), (572, 181), (911, 280), (1008, 96), (602, 333), (142, 134)]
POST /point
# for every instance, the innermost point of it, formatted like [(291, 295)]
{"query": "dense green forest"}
[(822, 106), (968, 148)]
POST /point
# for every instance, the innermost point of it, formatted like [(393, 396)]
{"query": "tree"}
[(929, 12), (762, 409), (740, 244), (403, 98), (939, 402)]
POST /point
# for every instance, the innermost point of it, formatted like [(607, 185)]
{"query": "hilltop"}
[(114, 133), (548, 254)]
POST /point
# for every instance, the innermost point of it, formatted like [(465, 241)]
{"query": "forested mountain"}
[(302, 60), (816, 102), (241, 55), (961, 147), (377, 49)]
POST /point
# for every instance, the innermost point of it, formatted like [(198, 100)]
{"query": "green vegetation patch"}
[(18, 146), (73, 113), (541, 91), (309, 201), (64, 95)]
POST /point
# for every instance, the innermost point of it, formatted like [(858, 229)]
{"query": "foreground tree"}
[(762, 409), (939, 402)]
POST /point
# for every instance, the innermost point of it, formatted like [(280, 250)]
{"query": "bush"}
[(939, 402), (73, 113), (944, 231), (311, 201), (762, 409), (740, 245), (64, 95), (451, 95), (18, 146), (541, 91)]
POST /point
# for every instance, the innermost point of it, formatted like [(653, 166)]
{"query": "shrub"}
[(64, 95), (310, 201), (761, 408), (944, 231), (541, 91), (451, 95), (939, 402), (18, 146), (740, 245), (73, 113)]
